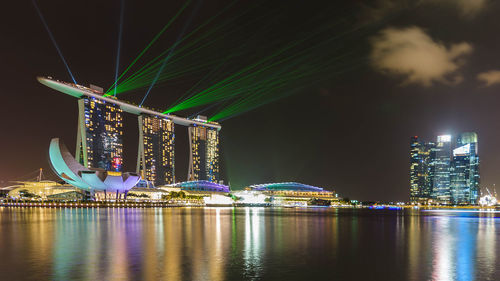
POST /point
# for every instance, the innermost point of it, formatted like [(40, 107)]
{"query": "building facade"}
[(464, 172), (155, 161), (444, 172), (421, 175), (441, 169), (99, 136), (204, 154)]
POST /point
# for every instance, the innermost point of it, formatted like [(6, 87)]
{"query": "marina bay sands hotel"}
[(100, 131)]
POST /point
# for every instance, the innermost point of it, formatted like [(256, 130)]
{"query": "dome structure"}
[(286, 186), (74, 173), (203, 185)]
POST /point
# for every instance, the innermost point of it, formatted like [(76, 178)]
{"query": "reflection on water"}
[(246, 243)]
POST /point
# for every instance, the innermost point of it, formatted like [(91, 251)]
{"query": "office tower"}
[(155, 161), (464, 173), (441, 169), (99, 136), (204, 153), (421, 175)]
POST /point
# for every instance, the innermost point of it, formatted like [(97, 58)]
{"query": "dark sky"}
[(419, 68)]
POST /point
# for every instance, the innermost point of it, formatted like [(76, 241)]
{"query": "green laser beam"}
[(151, 43), (185, 38)]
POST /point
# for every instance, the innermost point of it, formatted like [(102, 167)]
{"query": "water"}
[(247, 244)]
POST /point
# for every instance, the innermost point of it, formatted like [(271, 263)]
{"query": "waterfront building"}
[(464, 172), (198, 190), (146, 194), (204, 152), (202, 186), (440, 165), (69, 170), (45, 190), (99, 135), (155, 160), (444, 172), (421, 170), (293, 193), (100, 131)]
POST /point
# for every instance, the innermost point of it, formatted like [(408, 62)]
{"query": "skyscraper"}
[(99, 135), (204, 153), (155, 161), (441, 169), (464, 172), (421, 182), (450, 173)]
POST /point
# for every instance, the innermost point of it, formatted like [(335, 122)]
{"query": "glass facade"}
[(100, 132), (421, 176), (155, 161), (464, 173), (441, 169), (443, 172), (204, 154)]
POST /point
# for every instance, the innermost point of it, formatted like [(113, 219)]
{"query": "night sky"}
[(410, 68)]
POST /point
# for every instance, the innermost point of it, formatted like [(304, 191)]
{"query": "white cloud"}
[(489, 77), (412, 54)]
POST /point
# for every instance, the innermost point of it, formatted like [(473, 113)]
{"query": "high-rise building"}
[(204, 153), (449, 172), (464, 172), (441, 169), (99, 135), (155, 161), (421, 182)]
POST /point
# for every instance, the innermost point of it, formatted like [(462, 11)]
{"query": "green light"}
[(150, 44), (153, 65)]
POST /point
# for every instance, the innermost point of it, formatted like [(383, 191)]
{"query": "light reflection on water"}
[(246, 243)]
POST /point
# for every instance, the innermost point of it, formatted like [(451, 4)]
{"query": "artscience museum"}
[(68, 169)]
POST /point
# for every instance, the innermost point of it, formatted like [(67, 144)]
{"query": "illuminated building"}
[(99, 140), (69, 170), (155, 161), (203, 186), (213, 193), (441, 169), (421, 176), (464, 173), (204, 153), (46, 190), (146, 194), (287, 192), (443, 172), (99, 135)]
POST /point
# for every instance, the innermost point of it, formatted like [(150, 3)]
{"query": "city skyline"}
[(250, 140), (445, 171), (300, 137)]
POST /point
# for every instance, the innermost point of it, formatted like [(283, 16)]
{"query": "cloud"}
[(378, 10), (489, 77), (412, 54), (467, 8), (373, 11)]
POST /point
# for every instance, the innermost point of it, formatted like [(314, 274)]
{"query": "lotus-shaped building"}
[(74, 173)]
